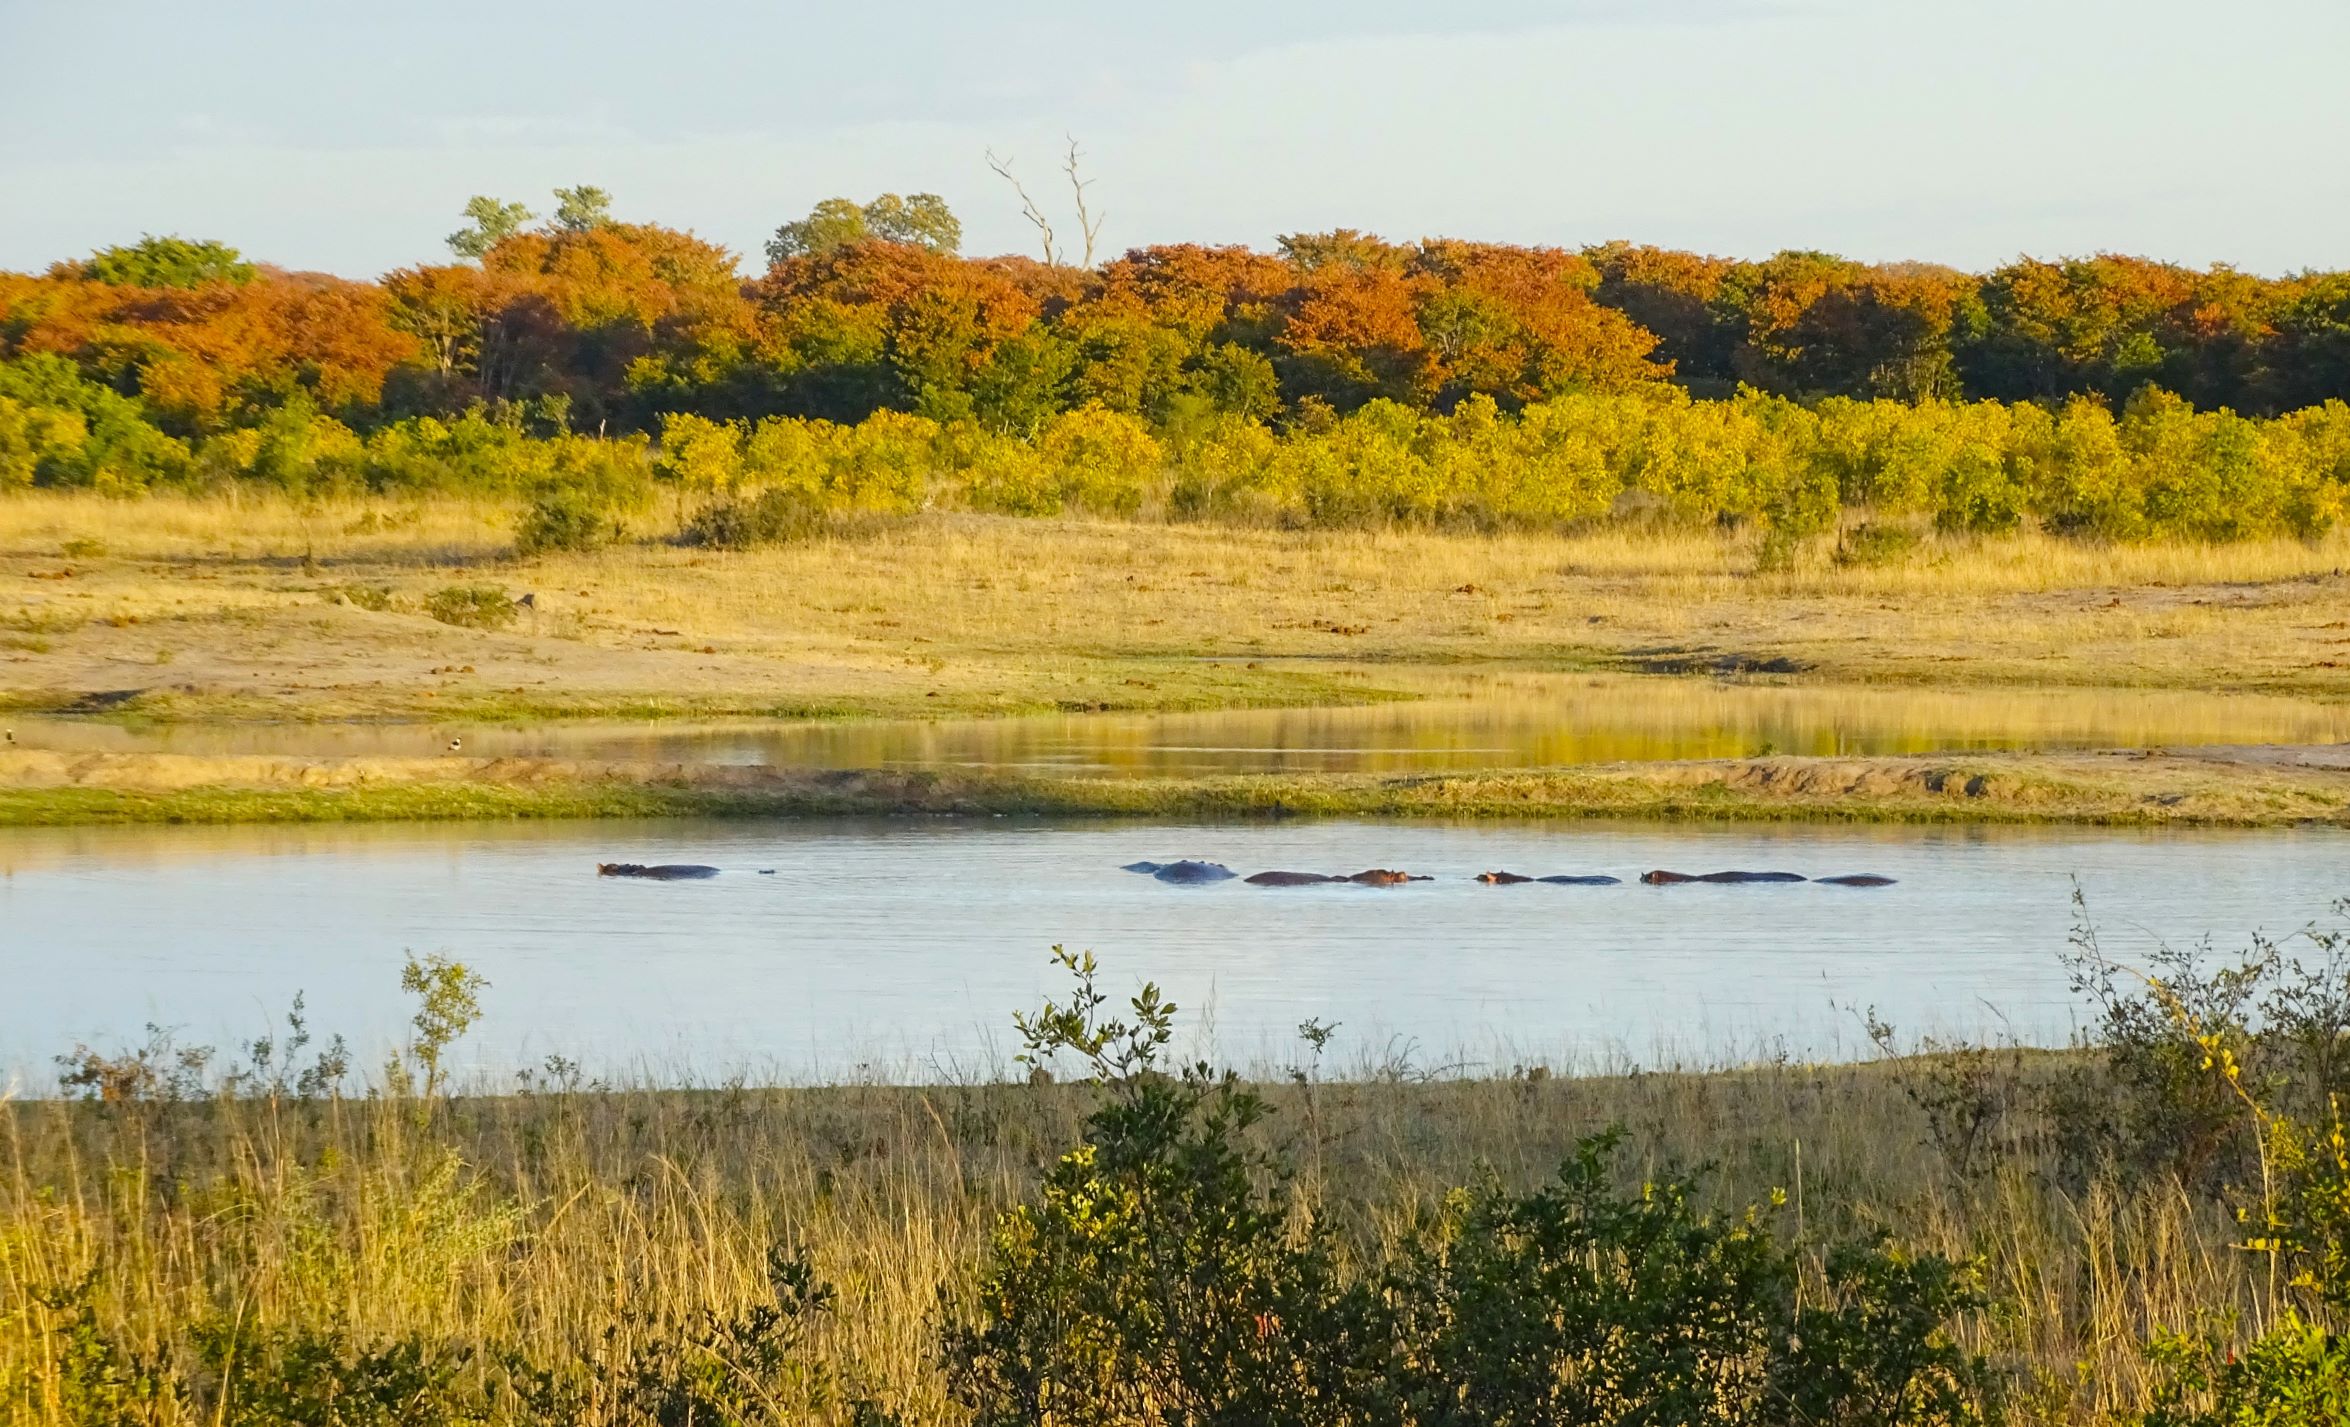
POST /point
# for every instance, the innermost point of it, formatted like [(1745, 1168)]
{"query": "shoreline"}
[(2240, 786)]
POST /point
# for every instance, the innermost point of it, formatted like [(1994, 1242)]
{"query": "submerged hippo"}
[(1663, 879), (1291, 879), (1384, 877), (1185, 873), (1856, 879), (1501, 879), (666, 872), (1599, 880)]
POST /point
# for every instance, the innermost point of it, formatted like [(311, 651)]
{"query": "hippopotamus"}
[(1185, 873), (1504, 879), (1855, 879), (666, 872), (1384, 877), (1661, 878), (1291, 879)]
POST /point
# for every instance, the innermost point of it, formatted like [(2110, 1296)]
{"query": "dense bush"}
[(1166, 1274), (471, 606), (565, 519), (2159, 471), (745, 522)]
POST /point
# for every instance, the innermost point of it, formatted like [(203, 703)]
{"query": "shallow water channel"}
[(901, 948), (1465, 720)]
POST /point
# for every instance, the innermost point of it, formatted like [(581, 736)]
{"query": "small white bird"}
[(455, 744)]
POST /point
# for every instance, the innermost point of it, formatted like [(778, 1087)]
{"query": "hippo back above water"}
[(665, 872), (1661, 878), (1186, 873)]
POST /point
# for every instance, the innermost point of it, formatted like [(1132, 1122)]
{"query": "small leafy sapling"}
[(448, 1003)]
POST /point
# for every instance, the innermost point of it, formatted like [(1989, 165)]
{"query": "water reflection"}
[(1468, 721)]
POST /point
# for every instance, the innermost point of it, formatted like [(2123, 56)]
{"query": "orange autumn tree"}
[(1817, 325), (1677, 296), (1519, 325), (875, 324), (603, 311), (1349, 330), (214, 354), (1171, 329)]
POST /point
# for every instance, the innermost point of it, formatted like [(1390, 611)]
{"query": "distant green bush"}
[(565, 519), (471, 606), (744, 522), (1876, 543)]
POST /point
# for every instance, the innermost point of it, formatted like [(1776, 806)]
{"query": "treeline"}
[(864, 308), (1342, 378)]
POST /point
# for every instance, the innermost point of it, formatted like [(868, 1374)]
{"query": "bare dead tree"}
[(1088, 222), (1034, 214)]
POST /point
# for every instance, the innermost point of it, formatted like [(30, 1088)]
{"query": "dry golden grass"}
[(223, 606), (539, 1222)]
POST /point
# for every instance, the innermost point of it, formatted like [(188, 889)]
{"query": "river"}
[(900, 948)]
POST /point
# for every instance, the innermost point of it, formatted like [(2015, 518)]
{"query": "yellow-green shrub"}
[(700, 454), (1100, 460)]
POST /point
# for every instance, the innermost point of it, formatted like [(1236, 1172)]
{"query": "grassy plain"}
[(240, 607), (229, 606)]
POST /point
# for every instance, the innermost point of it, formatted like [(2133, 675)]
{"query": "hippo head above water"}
[(665, 872)]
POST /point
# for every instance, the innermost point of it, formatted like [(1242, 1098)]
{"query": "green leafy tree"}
[(920, 219), (168, 262), (582, 210), (448, 1002), (489, 223)]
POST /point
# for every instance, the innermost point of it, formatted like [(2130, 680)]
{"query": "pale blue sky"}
[(326, 135)]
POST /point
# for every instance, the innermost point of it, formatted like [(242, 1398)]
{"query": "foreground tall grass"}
[(2059, 1237)]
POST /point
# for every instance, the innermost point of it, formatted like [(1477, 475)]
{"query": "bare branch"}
[(1088, 222), (1034, 214)]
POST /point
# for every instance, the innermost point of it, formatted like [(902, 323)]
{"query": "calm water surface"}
[(904, 946)]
